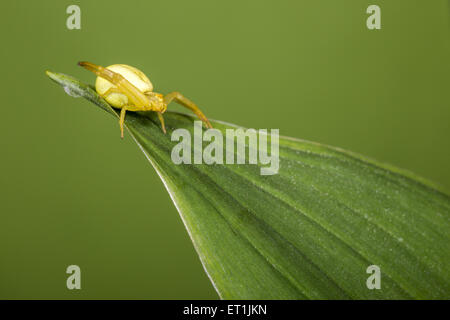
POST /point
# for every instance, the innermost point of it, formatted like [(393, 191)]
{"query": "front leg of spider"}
[(185, 102)]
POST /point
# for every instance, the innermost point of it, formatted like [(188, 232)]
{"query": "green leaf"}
[(308, 232)]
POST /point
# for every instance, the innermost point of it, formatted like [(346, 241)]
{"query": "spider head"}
[(156, 102)]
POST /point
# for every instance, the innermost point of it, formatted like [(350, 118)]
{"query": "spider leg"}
[(161, 119), (182, 100), (109, 91), (122, 120)]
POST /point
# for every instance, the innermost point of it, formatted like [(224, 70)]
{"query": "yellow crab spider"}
[(127, 88)]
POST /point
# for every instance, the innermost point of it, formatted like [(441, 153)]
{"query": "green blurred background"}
[(73, 192)]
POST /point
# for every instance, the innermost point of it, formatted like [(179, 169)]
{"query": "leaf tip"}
[(50, 74)]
